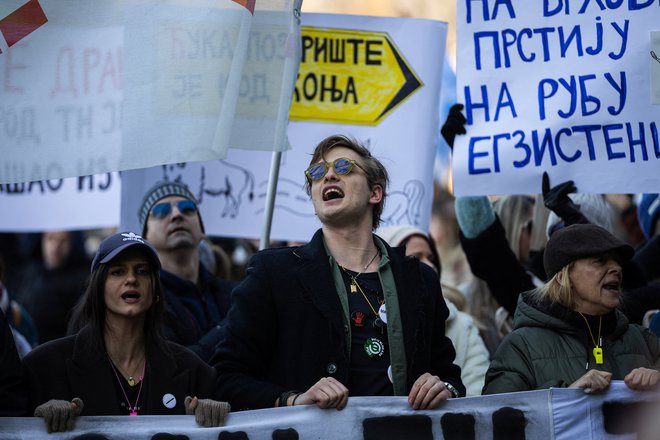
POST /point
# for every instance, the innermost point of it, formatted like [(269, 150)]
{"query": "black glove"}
[(556, 200), (455, 124)]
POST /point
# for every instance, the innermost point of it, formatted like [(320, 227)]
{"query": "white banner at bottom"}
[(548, 414)]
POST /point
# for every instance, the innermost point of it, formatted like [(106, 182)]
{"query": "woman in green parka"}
[(569, 332)]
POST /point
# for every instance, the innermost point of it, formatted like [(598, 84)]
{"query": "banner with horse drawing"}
[(375, 79), (94, 87)]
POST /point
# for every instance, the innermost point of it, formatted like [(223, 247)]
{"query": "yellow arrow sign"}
[(350, 77)]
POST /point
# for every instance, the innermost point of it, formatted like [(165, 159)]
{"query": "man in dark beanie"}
[(196, 301)]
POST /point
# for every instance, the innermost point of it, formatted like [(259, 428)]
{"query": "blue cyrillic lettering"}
[(610, 141), (472, 155), (641, 141)]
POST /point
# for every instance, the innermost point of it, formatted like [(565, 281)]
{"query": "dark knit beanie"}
[(161, 190), (581, 241)]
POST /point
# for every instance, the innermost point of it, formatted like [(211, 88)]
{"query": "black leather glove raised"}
[(556, 199), (455, 124)]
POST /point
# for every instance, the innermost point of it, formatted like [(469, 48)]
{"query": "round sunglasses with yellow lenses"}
[(341, 166)]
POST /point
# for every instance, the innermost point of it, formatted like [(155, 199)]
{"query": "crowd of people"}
[(513, 294)]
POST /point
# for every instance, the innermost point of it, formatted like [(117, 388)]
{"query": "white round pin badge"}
[(169, 401), (382, 313)]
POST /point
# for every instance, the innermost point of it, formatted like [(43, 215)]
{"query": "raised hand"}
[(556, 200), (455, 124)]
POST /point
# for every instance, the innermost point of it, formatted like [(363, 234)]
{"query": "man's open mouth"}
[(332, 193)]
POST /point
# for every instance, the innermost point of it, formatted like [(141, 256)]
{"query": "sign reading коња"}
[(350, 77)]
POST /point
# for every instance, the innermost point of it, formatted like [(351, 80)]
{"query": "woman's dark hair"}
[(91, 310)]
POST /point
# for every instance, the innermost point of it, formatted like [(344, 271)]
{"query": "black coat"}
[(48, 295), (285, 330), (12, 392), (66, 368), (194, 314)]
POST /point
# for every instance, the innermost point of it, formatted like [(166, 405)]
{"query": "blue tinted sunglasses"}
[(341, 166), (163, 209)]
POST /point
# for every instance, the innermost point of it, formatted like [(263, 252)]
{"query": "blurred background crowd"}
[(42, 275)]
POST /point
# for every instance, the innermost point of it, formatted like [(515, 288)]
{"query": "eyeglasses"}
[(163, 209), (342, 166)]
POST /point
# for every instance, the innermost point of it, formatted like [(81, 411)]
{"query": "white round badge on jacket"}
[(169, 401)]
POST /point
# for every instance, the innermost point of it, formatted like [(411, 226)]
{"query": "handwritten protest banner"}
[(563, 86), (562, 414), (94, 87), (387, 80), (376, 79), (74, 203), (401, 56)]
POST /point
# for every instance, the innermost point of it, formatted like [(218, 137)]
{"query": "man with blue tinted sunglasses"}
[(196, 301), (344, 315)]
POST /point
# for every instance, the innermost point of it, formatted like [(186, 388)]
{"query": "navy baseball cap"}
[(117, 243)]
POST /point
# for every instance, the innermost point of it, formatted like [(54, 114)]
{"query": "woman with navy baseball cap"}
[(118, 363)]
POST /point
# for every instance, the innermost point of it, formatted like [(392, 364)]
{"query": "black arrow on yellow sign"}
[(412, 82), (350, 77)]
